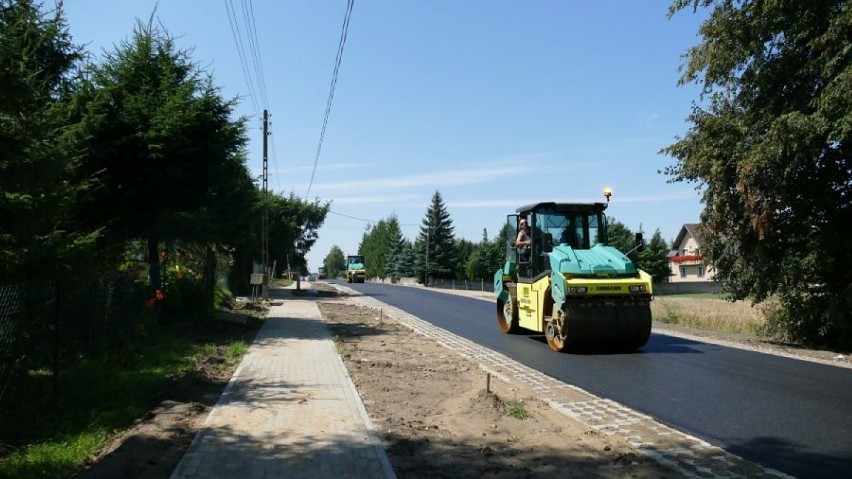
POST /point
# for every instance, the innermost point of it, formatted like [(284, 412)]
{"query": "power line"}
[(366, 220), (337, 61), (254, 48), (251, 62), (352, 217), (235, 32)]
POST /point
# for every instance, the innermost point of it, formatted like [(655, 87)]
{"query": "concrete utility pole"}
[(426, 275), (265, 221)]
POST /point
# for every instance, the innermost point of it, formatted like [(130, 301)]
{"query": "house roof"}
[(691, 229)]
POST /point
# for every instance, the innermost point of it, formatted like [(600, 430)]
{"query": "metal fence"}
[(41, 322), (10, 306), (27, 320), (466, 285)]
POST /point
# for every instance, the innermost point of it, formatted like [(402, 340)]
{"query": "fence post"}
[(56, 322)]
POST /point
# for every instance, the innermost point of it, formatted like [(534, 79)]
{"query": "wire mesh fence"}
[(27, 321), (10, 305), (40, 323), (463, 284)]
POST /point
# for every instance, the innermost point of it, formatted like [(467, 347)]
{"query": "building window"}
[(701, 271), (683, 272)]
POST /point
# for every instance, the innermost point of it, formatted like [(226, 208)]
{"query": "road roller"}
[(561, 278)]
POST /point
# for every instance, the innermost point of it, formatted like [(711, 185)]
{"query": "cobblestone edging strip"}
[(684, 454)]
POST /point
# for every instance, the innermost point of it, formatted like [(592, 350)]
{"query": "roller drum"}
[(626, 325)]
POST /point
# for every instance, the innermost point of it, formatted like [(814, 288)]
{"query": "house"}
[(685, 259)]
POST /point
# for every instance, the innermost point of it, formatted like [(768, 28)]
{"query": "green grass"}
[(42, 436), (517, 410), (221, 294), (694, 295), (236, 350), (283, 282)]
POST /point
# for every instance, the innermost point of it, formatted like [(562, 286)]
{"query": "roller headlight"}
[(640, 288)]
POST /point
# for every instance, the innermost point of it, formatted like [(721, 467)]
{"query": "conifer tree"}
[(38, 237), (436, 243)]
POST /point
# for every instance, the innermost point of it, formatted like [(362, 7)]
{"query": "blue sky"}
[(495, 104)]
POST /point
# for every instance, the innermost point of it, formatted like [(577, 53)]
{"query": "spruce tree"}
[(436, 243), (38, 237), (162, 144)]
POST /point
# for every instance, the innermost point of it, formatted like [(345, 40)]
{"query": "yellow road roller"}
[(561, 278)]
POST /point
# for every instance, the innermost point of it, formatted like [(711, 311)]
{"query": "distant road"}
[(790, 415)]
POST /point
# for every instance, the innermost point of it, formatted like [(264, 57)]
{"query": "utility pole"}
[(265, 221), (426, 275)]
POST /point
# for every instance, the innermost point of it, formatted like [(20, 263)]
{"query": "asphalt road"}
[(790, 415)]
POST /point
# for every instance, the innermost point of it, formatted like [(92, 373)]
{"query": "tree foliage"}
[(655, 258), (334, 262), (435, 245), (163, 147), (487, 257), (769, 147), (377, 244), (401, 260), (37, 234), (293, 225), (465, 250)]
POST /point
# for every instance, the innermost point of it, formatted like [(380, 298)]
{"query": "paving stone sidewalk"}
[(290, 410)]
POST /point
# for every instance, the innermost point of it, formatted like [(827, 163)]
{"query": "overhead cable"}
[(366, 220), (337, 61), (237, 34), (254, 48)]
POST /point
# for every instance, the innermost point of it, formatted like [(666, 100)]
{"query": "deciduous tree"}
[(464, 251), (769, 150), (293, 225), (376, 246), (334, 262)]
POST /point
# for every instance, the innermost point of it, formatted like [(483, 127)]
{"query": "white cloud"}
[(434, 180), (393, 200), (323, 167)]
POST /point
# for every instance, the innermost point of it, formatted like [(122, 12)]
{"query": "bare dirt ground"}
[(436, 419), (429, 405)]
